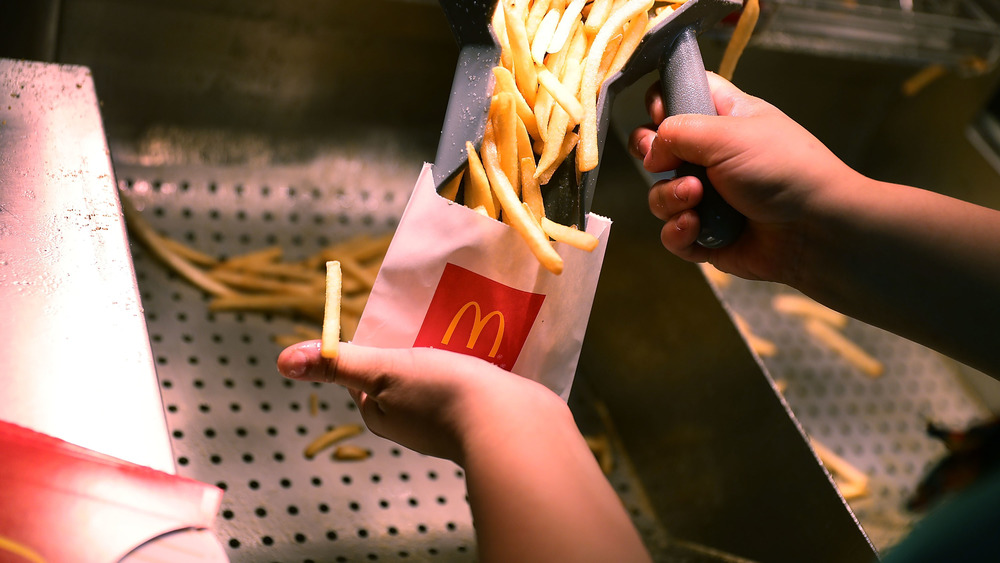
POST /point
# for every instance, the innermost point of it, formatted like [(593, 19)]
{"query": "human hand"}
[(767, 167), (436, 402)]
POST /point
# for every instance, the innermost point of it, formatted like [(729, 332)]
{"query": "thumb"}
[(698, 139), (360, 368)]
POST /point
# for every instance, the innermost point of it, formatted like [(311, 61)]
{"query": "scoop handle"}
[(685, 90)]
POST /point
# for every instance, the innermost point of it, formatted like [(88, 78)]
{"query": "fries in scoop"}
[(555, 57)]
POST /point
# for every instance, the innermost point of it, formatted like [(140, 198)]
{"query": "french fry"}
[(505, 135), (564, 95), (531, 191), (599, 12), (369, 248), (450, 190), (311, 305), (661, 13), (558, 126), (542, 37), (570, 18), (505, 81), (792, 304), (263, 256), (538, 243), (587, 156), (154, 242), (573, 237), (242, 280), (739, 39), (330, 339), (352, 268), (760, 345), (634, 31), (854, 481), (350, 452), (330, 438), (570, 142), (196, 257), (850, 351), (524, 68), (275, 270), (535, 16), (477, 190), (500, 28)]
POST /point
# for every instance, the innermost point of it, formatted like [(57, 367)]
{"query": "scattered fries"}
[(824, 325), (841, 344), (762, 346), (805, 307), (261, 281), (350, 452), (853, 482), (330, 438)]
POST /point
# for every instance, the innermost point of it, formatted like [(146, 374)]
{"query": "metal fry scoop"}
[(670, 47)]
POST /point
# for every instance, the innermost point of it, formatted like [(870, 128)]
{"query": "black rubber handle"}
[(685, 90)]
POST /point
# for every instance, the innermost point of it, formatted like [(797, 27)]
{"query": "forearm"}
[(916, 263), (537, 494)]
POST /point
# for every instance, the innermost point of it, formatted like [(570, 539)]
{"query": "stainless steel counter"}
[(75, 360)]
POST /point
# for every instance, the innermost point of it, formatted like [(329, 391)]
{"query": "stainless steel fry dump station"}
[(239, 126)]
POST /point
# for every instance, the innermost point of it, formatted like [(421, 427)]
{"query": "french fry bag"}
[(457, 280)]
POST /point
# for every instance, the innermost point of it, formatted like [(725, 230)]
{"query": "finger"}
[(725, 95), (356, 367), (698, 139), (731, 101), (679, 235), (303, 361), (668, 198), (640, 139), (654, 103)]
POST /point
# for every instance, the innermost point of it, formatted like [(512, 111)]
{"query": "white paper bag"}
[(457, 280)]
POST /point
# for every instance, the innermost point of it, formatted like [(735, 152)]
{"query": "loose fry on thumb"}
[(330, 340)]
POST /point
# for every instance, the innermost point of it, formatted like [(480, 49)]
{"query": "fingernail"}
[(681, 191), (298, 363), (683, 222), (642, 146), (648, 159)]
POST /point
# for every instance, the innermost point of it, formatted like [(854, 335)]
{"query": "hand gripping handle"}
[(685, 90)]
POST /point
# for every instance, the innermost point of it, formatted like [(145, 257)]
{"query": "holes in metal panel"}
[(222, 371)]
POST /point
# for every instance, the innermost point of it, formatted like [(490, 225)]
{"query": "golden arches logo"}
[(478, 324)]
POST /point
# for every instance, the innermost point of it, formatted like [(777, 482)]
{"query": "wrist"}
[(496, 426)]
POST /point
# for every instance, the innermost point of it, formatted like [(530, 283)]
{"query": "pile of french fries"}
[(555, 56), (264, 281)]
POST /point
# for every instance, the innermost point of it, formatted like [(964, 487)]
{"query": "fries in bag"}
[(457, 280)]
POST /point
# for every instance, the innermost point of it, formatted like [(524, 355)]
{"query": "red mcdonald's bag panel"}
[(456, 280)]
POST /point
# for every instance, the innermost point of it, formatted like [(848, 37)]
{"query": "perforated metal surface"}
[(234, 420), (237, 423), (877, 424)]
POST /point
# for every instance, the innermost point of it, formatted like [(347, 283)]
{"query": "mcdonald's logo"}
[(478, 324), (472, 314)]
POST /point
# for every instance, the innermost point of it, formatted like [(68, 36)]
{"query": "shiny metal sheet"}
[(75, 360)]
